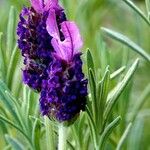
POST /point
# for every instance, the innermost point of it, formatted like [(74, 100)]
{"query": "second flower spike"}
[(35, 41)]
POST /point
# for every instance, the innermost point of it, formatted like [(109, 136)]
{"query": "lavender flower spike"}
[(63, 95), (35, 41)]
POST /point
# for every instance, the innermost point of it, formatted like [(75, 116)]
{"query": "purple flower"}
[(44, 5), (63, 95), (51, 47), (35, 41)]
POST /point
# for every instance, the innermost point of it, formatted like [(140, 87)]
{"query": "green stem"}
[(62, 137)]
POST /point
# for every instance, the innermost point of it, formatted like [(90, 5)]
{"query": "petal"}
[(71, 45), (37, 5), (51, 4), (51, 25), (59, 51), (73, 41)]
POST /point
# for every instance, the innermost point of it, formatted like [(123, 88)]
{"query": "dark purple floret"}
[(35, 44), (63, 95)]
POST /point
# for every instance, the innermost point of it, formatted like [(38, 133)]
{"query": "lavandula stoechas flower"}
[(51, 47), (63, 95), (35, 41)]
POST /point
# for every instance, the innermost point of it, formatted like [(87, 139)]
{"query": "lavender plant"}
[(54, 109)]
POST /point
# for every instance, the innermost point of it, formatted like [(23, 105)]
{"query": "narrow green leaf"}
[(4, 128), (25, 98), (92, 126), (81, 121), (86, 142), (147, 3), (117, 72), (11, 104), (81, 125), (105, 84), (125, 40), (18, 89), (33, 104), (90, 62), (12, 66), (89, 101), (76, 135), (108, 130), (6, 101), (137, 10), (50, 139), (19, 116), (145, 94), (2, 66), (124, 136), (2, 118), (90, 116), (93, 93), (12, 100), (15, 144), (27, 106), (36, 134), (117, 91), (3, 110), (102, 94), (18, 113), (28, 103), (10, 32)]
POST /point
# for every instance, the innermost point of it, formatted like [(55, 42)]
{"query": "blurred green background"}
[(91, 15)]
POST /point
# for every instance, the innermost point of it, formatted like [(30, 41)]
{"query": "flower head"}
[(51, 47), (63, 95), (35, 41)]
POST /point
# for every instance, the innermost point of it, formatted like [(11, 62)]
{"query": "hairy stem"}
[(62, 137)]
